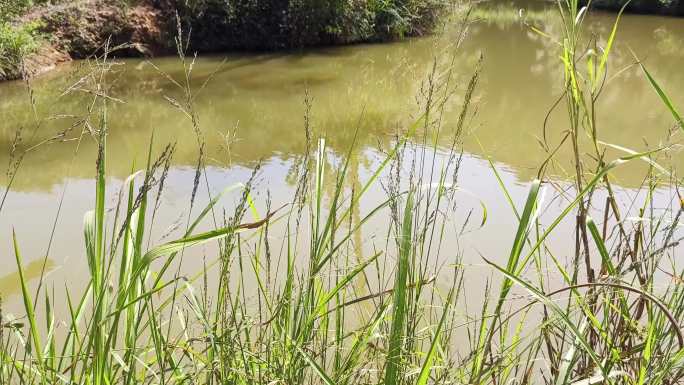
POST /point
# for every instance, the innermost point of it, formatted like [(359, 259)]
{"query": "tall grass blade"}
[(663, 96), (609, 45), (426, 368), (396, 338), (28, 302)]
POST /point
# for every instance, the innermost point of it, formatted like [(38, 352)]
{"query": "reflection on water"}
[(260, 97), (9, 283), (253, 105)]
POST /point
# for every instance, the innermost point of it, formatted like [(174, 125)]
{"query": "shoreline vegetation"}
[(36, 35), (309, 305), (655, 7)]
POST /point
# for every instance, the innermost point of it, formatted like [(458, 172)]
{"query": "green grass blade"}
[(562, 315), (317, 368), (609, 44), (663, 96), (632, 152), (343, 283), (425, 369), (512, 265), (28, 302), (600, 244), (180, 244), (396, 338)]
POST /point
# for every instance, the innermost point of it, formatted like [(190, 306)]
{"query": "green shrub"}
[(11, 8), (15, 43), (272, 24), (16, 39), (671, 7)]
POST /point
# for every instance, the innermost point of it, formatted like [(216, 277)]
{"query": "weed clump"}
[(16, 42)]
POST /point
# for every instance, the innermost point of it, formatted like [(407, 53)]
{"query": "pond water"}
[(252, 109)]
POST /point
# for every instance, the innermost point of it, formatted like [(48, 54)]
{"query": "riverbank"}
[(38, 37), (655, 7)]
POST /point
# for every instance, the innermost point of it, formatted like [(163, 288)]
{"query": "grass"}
[(318, 314), (16, 42)]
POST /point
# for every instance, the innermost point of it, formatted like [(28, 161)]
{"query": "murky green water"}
[(252, 110)]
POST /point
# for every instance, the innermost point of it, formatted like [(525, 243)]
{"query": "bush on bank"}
[(12, 38), (16, 41), (663, 7), (275, 24), (79, 28)]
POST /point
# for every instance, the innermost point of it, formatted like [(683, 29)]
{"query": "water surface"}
[(252, 110)]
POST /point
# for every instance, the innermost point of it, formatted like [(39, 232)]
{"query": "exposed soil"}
[(46, 58), (81, 29)]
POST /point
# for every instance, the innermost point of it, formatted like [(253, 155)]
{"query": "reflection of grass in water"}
[(8, 282), (669, 43), (316, 308), (364, 82), (504, 14)]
